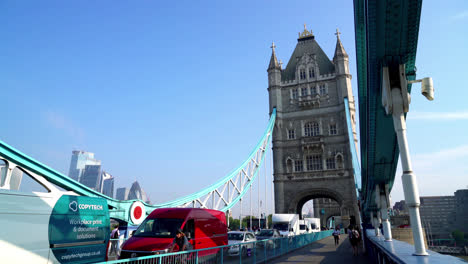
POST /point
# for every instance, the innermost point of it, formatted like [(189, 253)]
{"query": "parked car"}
[(235, 238), (204, 228), (269, 234)]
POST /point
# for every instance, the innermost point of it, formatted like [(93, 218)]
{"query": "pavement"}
[(325, 252)]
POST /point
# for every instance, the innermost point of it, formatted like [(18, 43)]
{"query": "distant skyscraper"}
[(78, 163), (122, 194), (461, 210), (92, 177), (107, 184), (136, 192)]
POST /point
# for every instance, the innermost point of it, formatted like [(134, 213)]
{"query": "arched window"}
[(339, 161), (333, 130), (302, 74), (311, 129), (289, 165), (311, 73), (315, 129), (308, 129), (313, 90)]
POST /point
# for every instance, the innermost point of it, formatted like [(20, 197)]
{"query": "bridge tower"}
[(311, 148)]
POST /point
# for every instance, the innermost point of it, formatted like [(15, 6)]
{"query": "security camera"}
[(427, 88)]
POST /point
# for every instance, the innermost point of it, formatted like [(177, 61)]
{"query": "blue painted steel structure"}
[(386, 35), (223, 194)]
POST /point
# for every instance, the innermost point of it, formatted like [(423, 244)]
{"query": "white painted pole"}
[(250, 207), (385, 218), (265, 203), (272, 183), (259, 205), (240, 214), (410, 189)]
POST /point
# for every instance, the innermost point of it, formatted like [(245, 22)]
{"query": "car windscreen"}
[(265, 233), (159, 227), (281, 226), (235, 236)]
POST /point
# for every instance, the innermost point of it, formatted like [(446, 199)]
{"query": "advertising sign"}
[(79, 229)]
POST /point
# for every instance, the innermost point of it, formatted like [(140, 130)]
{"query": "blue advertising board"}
[(79, 229)]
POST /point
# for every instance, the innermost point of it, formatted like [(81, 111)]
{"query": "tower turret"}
[(343, 79), (341, 61), (274, 81)]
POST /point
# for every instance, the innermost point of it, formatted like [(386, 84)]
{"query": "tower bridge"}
[(314, 140)]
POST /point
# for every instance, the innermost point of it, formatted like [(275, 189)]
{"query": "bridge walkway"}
[(323, 251)]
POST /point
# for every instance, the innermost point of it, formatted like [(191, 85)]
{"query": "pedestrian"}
[(336, 235), (115, 240), (181, 241), (354, 237)]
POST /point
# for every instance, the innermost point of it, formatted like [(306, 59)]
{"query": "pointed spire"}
[(273, 61), (339, 50)]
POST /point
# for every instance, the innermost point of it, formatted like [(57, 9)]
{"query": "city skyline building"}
[(78, 163), (107, 184), (440, 215), (136, 192), (122, 193), (461, 210), (92, 177)]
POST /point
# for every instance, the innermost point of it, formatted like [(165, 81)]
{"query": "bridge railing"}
[(395, 251), (248, 252)]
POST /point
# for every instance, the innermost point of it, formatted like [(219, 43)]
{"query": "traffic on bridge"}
[(317, 186)]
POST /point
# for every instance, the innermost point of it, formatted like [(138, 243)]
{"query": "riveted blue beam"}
[(386, 34)]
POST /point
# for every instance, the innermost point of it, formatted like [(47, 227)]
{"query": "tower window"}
[(291, 134), (311, 129), (304, 91), (314, 163), (311, 73), (302, 74), (298, 166), (331, 164), (333, 130), (323, 90), (313, 91), (295, 94)]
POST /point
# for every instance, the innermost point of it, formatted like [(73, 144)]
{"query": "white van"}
[(304, 227), (286, 224), (314, 224)]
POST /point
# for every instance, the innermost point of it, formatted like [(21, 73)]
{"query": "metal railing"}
[(249, 252), (395, 251)]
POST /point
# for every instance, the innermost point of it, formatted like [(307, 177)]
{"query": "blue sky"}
[(174, 94)]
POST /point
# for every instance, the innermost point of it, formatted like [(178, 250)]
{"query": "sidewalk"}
[(323, 251)]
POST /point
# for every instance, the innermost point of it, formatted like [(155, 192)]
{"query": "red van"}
[(204, 228)]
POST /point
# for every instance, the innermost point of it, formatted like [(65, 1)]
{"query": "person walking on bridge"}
[(354, 236), (336, 235), (115, 234)]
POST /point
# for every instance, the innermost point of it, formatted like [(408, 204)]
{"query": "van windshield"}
[(302, 227), (159, 227), (281, 226)]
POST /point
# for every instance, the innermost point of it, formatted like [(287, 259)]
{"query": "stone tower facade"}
[(311, 148)]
